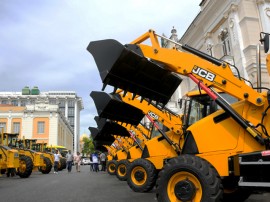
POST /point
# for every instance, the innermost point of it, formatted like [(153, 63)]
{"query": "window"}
[(41, 127), (71, 103), (62, 103), (4, 102), (224, 36), (52, 101), (70, 111), (16, 127), (71, 121), (14, 102), (4, 126), (62, 110), (23, 103)]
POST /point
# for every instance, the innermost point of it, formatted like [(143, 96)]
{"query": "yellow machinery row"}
[(219, 148), (21, 157)]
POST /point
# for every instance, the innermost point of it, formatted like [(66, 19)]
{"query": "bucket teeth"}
[(115, 89), (125, 93), (127, 68), (104, 85), (133, 96)]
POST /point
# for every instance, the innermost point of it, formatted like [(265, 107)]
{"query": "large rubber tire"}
[(189, 178), (111, 167), (60, 164), (142, 175), (48, 166), (26, 167), (121, 168), (232, 192), (63, 163)]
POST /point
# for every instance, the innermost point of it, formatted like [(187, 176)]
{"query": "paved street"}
[(77, 187)]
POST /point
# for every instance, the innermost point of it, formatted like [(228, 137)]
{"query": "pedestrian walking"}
[(102, 157), (77, 160), (56, 161), (95, 161), (69, 157), (91, 163)]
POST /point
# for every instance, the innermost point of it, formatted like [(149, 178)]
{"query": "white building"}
[(228, 30), (68, 102), (41, 121)]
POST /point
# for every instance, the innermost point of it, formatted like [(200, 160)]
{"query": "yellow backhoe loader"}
[(225, 154), (26, 157), (48, 158), (9, 158)]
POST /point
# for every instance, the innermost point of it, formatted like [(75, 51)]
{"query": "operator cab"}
[(198, 105)]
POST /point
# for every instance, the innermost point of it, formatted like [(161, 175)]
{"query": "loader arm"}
[(134, 67), (172, 121)]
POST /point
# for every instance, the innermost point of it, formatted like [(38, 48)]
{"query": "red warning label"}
[(266, 153)]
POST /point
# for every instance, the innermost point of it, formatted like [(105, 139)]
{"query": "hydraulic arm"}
[(203, 69)]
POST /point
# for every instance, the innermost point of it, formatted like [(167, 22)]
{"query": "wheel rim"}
[(111, 167), (22, 166), (122, 171), (184, 186), (138, 175)]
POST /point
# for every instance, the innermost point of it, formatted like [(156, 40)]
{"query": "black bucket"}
[(107, 127), (111, 106), (94, 132), (102, 138), (125, 67), (98, 145)]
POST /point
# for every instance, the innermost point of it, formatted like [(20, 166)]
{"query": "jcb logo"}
[(203, 73), (153, 115)]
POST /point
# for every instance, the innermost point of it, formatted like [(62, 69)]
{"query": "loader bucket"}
[(111, 106), (98, 145), (94, 131), (99, 138), (107, 127), (125, 67)]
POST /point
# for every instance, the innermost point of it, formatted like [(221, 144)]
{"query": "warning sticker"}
[(266, 153)]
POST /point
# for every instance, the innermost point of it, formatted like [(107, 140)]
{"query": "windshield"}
[(198, 107)]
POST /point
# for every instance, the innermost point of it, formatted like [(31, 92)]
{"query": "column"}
[(75, 126), (66, 108)]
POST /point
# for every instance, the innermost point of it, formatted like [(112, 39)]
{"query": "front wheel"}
[(121, 169), (47, 167), (142, 175), (26, 167), (189, 178), (111, 167)]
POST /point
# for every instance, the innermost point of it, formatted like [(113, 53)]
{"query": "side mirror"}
[(265, 40)]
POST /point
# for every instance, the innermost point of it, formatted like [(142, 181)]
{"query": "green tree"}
[(88, 146)]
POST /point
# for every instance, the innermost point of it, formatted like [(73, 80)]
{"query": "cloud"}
[(43, 43)]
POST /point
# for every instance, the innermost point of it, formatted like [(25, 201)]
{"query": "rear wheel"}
[(26, 167), (142, 175), (121, 169), (111, 167), (63, 163), (47, 167), (189, 178)]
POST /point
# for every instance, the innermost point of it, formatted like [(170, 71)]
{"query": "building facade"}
[(68, 102), (40, 121), (228, 30)]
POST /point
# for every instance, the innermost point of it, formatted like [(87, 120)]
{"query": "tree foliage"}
[(88, 146)]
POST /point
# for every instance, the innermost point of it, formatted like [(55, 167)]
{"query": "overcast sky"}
[(43, 42)]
